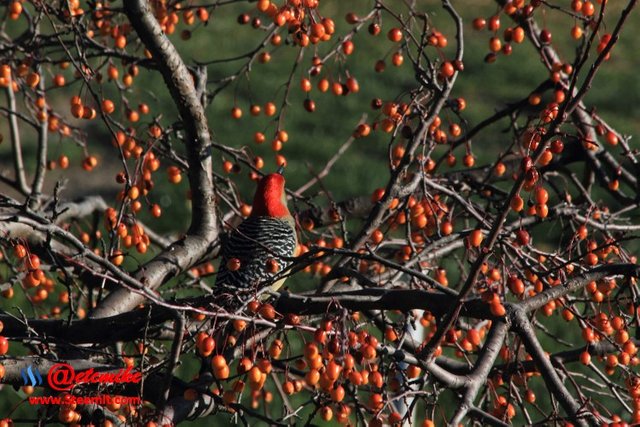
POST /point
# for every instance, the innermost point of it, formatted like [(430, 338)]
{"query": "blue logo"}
[(31, 376)]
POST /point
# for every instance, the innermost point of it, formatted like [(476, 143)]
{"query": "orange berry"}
[(446, 228), (267, 311), (4, 345), (517, 203), (207, 346), (312, 377), (156, 211), (395, 35), (77, 111), (233, 264), (20, 251), (222, 373), (236, 113), (108, 106), (497, 309), (33, 79), (499, 169), (397, 59), (475, 238), (542, 196), (447, 70), (377, 236), (15, 8), (269, 109), (218, 362)]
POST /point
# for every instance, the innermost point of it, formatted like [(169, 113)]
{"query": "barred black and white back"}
[(256, 241)]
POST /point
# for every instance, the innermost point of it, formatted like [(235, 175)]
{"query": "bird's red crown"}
[(270, 198)]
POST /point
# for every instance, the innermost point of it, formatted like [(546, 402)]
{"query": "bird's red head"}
[(270, 198)]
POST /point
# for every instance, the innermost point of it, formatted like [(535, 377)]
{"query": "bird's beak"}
[(280, 170)]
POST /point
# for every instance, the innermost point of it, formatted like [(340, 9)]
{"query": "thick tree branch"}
[(16, 143), (573, 407), (482, 368), (203, 230)]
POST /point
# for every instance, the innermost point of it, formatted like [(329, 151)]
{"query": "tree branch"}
[(203, 229)]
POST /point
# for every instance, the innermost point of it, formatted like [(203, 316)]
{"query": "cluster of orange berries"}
[(5, 76), (205, 344), (101, 20), (394, 35), (68, 414), (24, 75), (596, 254), (425, 215), (530, 141), (23, 71), (150, 164), (393, 114), (189, 17), (439, 135), (538, 205), (329, 369), (503, 409), (300, 17), (269, 109), (461, 341), (633, 387), (612, 139), (35, 278), (205, 269), (127, 78), (496, 44), (338, 88), (518, 34), (615, 328), (174, 174), (318, 267), (294, 13), (586, 8), (277, 143), (81, 111), (610, 136), (74, 10), (15, 10), (134, 237), (168, 19), (495, 304), (604, 40), (131, 148), (254, 373), (326, 366)]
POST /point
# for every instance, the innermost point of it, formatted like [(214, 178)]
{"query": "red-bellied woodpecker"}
[(260, 248)]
